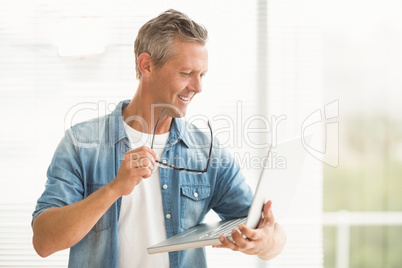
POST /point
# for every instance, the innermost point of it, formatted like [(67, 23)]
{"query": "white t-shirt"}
[(141, 222)]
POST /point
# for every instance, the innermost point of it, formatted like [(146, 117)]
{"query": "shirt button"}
[(195, 194), (164, 161), (165, 186), (168, 216)]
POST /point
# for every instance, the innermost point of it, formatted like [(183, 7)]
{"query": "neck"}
[(142, 115)]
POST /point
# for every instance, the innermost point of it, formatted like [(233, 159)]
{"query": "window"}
[(264, 62)]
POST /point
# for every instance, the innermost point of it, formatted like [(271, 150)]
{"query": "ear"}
[(144, 64)]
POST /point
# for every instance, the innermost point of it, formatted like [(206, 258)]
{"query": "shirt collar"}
[(116, 125), (178, 130)]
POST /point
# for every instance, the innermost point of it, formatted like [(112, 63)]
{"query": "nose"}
[(196, 84)]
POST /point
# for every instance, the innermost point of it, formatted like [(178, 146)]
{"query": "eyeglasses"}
[(197, 171)]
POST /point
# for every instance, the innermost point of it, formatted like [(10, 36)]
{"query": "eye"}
[(185, 74)]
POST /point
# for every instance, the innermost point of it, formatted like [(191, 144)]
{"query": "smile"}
[(183, 98)]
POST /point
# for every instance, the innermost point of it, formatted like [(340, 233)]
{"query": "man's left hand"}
[(267, 241)]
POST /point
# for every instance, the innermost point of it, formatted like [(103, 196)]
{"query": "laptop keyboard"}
[(225, 229)]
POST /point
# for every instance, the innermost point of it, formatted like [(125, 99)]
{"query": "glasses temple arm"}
[(156, 125)]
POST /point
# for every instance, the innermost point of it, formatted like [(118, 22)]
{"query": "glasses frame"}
[(198, 171)]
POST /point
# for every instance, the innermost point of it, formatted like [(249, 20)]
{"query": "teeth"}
[(183, 98)]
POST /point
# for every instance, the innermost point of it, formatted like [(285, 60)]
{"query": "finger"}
[(141, 163), (132, 155), (146, 161), (217, 245), (144, 172), (226, 243), (136, 155), (268, 214), (251, 234), (148, 150), (240, 241)]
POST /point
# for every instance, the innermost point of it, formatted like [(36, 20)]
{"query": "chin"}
[(176, 112)]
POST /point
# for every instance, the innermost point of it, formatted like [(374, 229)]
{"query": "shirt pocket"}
[(194, 204), (105, 221)]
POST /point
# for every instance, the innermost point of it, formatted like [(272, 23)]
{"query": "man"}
[(109, 196)]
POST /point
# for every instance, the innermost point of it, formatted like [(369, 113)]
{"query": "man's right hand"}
[(137, 164), (62, 227)]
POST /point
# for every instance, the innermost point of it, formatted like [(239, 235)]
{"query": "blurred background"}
[(275, 68)]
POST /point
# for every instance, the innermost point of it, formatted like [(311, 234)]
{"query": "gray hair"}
[(156, 37)]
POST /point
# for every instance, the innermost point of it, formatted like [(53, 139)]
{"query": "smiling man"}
[(109, 196)]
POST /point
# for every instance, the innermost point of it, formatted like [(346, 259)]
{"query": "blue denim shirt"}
[(89, 157)]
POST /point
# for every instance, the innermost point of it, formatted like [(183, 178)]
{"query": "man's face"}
[(180, 78)]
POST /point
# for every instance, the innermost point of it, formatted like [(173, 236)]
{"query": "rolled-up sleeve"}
[(233, 196), (64, 183)]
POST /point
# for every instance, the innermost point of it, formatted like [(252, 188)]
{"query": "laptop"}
[(278, 180)]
